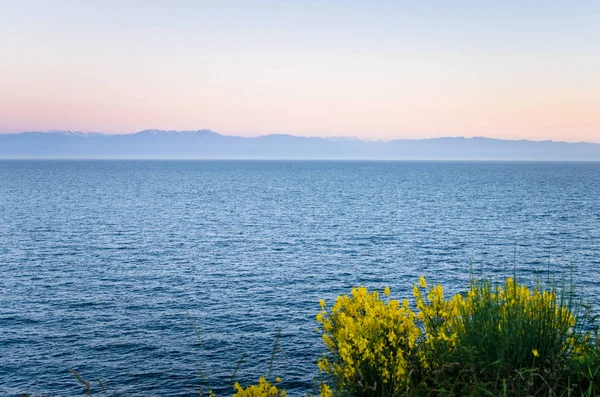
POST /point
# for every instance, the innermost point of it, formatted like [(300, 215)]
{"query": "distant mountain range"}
[(207, 144)]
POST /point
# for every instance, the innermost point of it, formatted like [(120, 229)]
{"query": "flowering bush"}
[(507, 335), (507, 339), (372, 343), (262, 389)]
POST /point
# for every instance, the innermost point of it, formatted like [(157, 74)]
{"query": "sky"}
[(376, 70)]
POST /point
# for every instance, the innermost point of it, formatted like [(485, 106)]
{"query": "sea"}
[(167, 278)]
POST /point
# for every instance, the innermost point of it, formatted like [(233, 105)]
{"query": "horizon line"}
[(326, 137)]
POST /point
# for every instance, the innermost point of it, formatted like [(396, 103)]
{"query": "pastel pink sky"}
[(374, 70)]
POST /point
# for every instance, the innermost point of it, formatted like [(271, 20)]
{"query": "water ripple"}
[(108, 265)]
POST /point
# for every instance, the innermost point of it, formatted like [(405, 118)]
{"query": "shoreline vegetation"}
[(494, 339), (504, 339)]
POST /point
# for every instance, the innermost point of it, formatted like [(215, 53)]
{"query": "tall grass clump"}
[(506, 339)]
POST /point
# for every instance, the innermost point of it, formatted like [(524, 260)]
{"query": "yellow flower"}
[(262, 389), (387, 291), (422, 282), (325, 391), (364, 334), (323, 364), (535, 353)]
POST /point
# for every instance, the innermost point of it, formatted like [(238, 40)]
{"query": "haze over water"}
[(107, 264)]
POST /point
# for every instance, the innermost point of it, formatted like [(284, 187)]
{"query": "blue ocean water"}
[(107, 266)]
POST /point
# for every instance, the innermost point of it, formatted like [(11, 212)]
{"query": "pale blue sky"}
[(377, 70)]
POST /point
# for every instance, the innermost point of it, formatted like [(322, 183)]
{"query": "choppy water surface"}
[(105, 265)]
